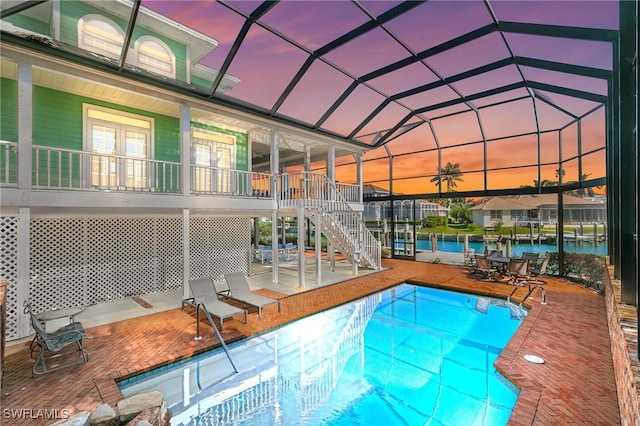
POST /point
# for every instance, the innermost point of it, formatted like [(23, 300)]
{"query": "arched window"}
[(154, 55), (101, 35)]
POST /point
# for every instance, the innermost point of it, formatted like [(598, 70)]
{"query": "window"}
[(496, 214), (518, 215), (214, 155), (101, 35), (120, 144), (155, 56)]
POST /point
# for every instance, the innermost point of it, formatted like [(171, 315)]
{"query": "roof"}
[(530, 202)]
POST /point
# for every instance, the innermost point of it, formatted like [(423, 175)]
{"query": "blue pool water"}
[(516, 249), (409, 355)]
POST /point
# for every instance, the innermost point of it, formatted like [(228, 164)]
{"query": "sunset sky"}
[(266, 63)]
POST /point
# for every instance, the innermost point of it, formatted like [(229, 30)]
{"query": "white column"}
[(301, 220), (185, 148), (25, 125), (275, 165), (318, 236), (331, 164), (24, 268), (360, 176), (186, 258)]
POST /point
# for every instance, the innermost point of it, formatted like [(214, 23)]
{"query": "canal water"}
[(516, 249)]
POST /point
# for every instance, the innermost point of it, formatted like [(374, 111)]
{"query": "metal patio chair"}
[(57, 344)]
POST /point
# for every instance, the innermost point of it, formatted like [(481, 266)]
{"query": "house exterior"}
[(541, 208), (113, 188), (402, 209)]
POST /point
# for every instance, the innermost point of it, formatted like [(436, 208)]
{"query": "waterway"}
[(516, 249)]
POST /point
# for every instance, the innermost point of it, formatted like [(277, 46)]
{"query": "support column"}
[(186, 258), (301, 245), (360, 179), (185, 148), (24, 268), (25, 126), (331, 164), (275, 165), (318, 236)]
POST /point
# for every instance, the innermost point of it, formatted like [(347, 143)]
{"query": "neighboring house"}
[(541, 208), (402, 209), (113, 188)]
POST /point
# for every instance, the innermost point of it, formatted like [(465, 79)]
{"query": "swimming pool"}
[(408, 355)]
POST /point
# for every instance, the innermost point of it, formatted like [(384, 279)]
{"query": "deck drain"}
[(534, 359)]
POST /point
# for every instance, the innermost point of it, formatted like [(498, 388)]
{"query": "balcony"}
[(72, 170)]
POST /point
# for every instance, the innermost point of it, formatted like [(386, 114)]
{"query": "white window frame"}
[(495, 214), (171, 65), (215, 177), (121, 167), (83, 35)]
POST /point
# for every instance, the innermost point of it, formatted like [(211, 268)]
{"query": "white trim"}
[(93, 17), (150, 39), (87, 140)]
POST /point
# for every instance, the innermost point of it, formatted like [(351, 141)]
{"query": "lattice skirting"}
[(79, 261)]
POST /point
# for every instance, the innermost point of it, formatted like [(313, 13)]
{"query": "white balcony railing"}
[(8, 164), (55, 168), (212, 180)]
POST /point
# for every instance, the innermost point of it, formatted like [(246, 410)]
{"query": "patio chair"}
[(532, 258), (240, 291), (204, 294), (53, 345), (536, 273), (518, 270), (484, 269)]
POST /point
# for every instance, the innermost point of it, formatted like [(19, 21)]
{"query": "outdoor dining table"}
[(501, 262)]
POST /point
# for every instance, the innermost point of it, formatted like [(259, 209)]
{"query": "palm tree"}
[(450, 174), (560, 173), (582, 192)]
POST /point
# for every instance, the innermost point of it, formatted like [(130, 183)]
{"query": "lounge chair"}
[(203, 293), (239, 290), (52, 345)]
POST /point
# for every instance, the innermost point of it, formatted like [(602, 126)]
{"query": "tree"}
[(450, 174), (560, 173)]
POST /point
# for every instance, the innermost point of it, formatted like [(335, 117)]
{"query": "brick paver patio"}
[(575, 385)]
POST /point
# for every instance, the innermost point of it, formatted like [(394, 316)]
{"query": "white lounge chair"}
[(239, 290), (204, 293)]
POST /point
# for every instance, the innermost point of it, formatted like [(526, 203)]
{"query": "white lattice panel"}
[(79, 261), (83, 261), (219, 245), (9, 271), (57, 278)]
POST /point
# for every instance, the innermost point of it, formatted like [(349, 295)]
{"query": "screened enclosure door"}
[(404, 230)]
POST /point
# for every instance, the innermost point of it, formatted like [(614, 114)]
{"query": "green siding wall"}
[(8, 110), (72, 11), (58, 119)]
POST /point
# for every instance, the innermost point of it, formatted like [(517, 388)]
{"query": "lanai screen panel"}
[(365, 72)]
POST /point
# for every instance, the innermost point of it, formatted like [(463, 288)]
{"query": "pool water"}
[(409, 355)]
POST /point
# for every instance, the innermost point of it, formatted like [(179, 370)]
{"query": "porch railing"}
[(8, 163), (212, 180), (56, 168)]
